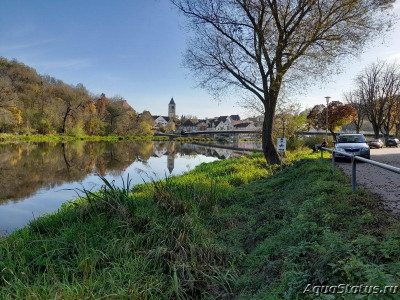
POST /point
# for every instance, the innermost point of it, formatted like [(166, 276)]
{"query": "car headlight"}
[(340, 149), (364, 149)]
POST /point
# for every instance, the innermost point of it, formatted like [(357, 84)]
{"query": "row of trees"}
[(31, 103), (259, 47), (376, 97)]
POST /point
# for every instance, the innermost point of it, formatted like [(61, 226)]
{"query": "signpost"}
[(281, 147)]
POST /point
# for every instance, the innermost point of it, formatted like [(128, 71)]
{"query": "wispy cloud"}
[(22, 46)]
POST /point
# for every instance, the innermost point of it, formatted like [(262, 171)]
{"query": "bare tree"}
[(378, 87), (257, 45), (391, 91), (396, 111), (356, 102)]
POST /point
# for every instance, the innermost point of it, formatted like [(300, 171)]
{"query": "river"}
[(37, 178)]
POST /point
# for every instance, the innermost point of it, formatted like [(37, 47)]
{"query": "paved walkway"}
[(377, 180)]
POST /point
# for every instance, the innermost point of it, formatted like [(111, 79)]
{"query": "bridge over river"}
[(235, 133), (214, 133)]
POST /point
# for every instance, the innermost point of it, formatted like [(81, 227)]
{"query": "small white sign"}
[(281, 145)]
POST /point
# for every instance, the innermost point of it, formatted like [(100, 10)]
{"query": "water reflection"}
[(27, 167), (36, 178)]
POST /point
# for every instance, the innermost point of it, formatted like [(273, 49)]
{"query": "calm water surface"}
[(36, 178)]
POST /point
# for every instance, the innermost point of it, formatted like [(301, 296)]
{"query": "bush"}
[(76, 131), (45, 127), (316, 140), (295, 143)]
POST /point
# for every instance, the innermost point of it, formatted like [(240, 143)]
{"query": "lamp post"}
[(326, 127)]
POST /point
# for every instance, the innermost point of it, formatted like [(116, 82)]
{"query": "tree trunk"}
[(357, 129), (386, 135), (385, 130), (270, 152), (376, 130), (334, 135), (65, 119)]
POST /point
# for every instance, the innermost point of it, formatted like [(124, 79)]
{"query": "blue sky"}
[(133, 48)]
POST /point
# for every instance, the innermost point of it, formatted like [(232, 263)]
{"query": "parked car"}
[(375, 143), (352, 144), (392, 142)]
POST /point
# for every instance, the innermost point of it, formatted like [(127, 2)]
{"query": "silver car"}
[(354, 144)]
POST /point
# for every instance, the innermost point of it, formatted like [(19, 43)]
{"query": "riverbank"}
[(235, 228), (66, 138), (5, 137)]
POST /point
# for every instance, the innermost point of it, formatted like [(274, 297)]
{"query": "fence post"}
[(322, 155), (353, 173), (333, 161)]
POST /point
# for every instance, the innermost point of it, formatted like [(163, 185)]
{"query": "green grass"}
[(63, 138), (236, 228), (304, 226)]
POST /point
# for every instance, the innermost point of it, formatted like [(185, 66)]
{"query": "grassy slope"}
[(228, 228)]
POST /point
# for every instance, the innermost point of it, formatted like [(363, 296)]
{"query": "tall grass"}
[(229, 229), (152, 241)]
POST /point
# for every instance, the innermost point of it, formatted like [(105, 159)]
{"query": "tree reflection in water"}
[(27, 167), (36, 178)]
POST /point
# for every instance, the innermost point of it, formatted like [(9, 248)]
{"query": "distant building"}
[(163, 121), (235, 117), (227, 125), (160, 121), (257, 121), (171, 109), (201, 125), (188, 126), (245, 126), (216, 123)]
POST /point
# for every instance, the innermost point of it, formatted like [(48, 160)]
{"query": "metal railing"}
[(354, 159)]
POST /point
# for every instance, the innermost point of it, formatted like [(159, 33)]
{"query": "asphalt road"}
[(382, 182)]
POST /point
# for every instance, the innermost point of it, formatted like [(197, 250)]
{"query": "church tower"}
[(171, 108)]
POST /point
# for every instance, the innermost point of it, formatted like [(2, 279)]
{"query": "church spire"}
[(171, 108)]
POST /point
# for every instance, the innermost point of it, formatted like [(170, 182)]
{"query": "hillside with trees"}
[(31, 103)]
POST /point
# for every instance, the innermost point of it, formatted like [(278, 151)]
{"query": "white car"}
[(354, 144)]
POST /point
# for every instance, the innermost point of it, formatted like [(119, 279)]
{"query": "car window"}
[(351, 139)]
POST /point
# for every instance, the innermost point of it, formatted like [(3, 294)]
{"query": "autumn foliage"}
[(31, 103), (339, 114)]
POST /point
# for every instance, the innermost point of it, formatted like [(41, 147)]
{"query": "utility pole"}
[(326, 127)]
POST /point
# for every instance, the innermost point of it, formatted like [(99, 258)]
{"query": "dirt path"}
[(380, 181)]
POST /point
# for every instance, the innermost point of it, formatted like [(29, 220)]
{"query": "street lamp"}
[(326, 126)]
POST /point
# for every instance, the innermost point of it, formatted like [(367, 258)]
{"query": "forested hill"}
[(32, 103)]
